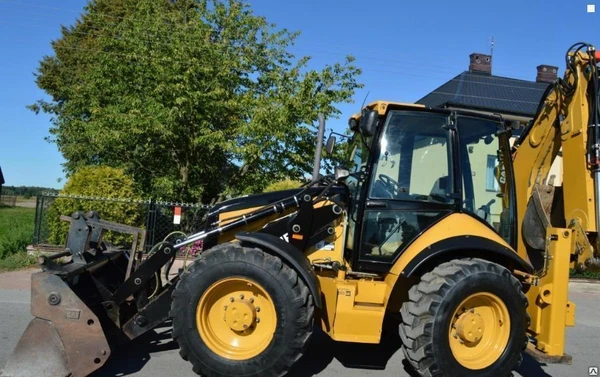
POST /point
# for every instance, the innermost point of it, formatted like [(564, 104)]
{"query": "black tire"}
[(293, 305), (426, 317)]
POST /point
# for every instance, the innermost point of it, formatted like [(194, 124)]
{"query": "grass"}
[(17, 261), (16, 232)]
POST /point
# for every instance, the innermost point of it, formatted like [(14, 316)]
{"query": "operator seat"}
[(440, 187)]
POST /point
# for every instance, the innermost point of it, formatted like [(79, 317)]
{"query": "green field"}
[(16, 232)]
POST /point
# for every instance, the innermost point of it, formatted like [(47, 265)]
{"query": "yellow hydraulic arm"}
[(557, 230)]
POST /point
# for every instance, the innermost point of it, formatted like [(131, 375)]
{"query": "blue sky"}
[(405, 48)]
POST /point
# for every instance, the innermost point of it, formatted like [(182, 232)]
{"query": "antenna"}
[(365, 100), (492, 46)]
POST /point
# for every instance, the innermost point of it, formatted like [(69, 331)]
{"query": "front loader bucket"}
[(64, 339)]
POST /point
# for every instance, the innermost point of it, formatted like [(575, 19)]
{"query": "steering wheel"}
[(390, 185)]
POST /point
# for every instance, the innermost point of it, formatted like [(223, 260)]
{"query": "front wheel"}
[(465, 318), (241, 312)]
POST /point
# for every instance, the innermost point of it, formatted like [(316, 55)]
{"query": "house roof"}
[(479, 91), (1, 177)]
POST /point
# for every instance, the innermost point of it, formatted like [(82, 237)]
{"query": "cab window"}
[(484, 170), (413, 165)]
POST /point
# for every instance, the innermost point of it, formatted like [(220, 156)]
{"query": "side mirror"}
[(341, 173), (330, 145), (368, 122)]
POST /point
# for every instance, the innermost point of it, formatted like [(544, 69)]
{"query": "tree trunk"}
[(184, 172)]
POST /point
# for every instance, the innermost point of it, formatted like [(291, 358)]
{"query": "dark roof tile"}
[(487, 92)]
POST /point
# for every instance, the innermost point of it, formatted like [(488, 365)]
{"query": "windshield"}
[(414, 161)]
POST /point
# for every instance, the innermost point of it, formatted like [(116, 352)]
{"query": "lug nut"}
[(257, 320), (242, 296), (258, 309), (251, 300), (225, 307), (231, 299)]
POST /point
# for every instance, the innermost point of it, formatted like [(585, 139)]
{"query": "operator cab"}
[(414, 166)]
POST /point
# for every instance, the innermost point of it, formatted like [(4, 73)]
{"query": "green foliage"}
[(26, 191), (285, 184), (195, 99), (16, 230), (96, 181)]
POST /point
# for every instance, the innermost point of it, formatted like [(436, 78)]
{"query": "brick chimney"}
[(480, 63), (546, 73)]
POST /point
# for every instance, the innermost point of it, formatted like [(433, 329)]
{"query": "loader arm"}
[(103, 296), (558, 227)]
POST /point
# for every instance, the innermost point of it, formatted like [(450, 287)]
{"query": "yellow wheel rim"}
[(479, 330), (236, 318)]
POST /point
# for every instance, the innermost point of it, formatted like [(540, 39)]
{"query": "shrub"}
[(96, 181), (286, 184), (588, 274)]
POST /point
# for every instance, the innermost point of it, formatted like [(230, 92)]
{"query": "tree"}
[(285, 184), (194, 99)]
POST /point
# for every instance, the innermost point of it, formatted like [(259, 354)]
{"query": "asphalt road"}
[(155, 354)]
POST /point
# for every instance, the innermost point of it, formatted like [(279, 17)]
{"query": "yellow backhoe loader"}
[(443, 218)]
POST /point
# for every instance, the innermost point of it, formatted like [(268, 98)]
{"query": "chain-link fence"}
[(173, 221), (160, 219)]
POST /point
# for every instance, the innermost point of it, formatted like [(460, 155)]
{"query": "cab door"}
[(411, 186)]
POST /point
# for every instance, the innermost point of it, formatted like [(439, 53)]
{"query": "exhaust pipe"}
[(319, 150)]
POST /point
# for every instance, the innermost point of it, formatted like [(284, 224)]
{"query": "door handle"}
[(376, 204)]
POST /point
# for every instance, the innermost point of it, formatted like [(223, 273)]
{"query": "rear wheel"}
[(241, 312), (465, 318)]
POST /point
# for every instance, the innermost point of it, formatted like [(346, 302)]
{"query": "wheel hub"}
[(236, 318), (479, 330), (470, 327), (240, 315)]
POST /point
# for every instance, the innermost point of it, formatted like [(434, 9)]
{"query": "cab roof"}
[(381, 107)]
